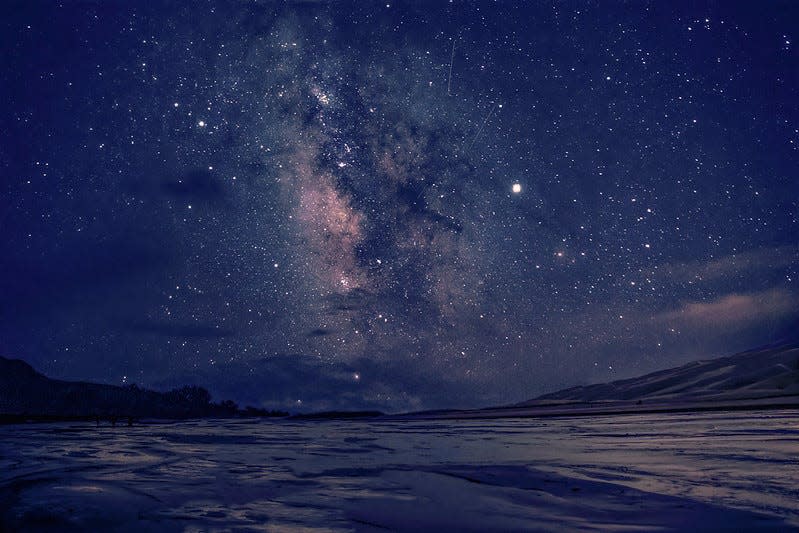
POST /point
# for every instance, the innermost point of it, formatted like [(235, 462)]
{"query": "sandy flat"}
[(706, 472)]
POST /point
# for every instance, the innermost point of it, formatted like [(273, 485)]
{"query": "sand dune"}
[(761, 373)]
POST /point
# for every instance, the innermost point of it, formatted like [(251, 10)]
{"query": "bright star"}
[(517, 188)]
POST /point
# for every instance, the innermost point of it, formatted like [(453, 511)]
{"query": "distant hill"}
[(761, 373), (764, 378), (27, 393)]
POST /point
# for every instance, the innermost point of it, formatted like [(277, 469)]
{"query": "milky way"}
[(395, 205)]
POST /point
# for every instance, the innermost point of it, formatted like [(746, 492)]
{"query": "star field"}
[(397, 205)]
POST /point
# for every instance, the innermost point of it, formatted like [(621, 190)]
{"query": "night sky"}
[(392, 205)]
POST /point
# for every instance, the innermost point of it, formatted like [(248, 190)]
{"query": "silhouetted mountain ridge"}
[(24, 391)]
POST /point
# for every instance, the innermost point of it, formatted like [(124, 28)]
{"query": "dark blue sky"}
[(395, 205)]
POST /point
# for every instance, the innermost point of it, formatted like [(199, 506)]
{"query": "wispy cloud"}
[(734, 309), (744, 264)]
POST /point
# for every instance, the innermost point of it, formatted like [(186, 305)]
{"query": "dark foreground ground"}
[(720, 471)]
